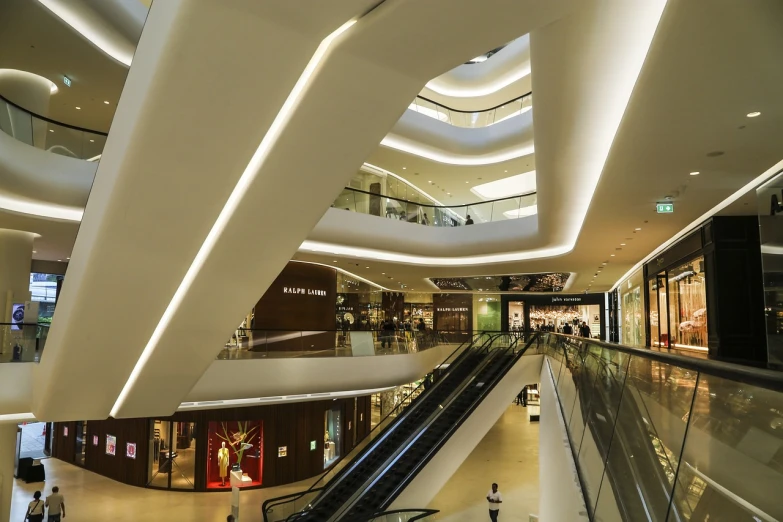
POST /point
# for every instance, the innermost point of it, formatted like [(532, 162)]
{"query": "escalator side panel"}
[(426, 484)]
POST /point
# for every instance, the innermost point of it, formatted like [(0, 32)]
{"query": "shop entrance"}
[(555, 318), (516, 316)]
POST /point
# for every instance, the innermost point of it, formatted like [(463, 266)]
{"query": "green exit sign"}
[(664, 208)]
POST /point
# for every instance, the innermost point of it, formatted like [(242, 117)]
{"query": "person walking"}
[(495, 499), (35, 509), (567, 329), (584, 330), (469, 221), (56, 504)]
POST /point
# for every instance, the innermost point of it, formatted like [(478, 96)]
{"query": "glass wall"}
[(486, 312), (770, 213), (332, 436), (172, 458), (632, 311), (235, 444), (688, 305)]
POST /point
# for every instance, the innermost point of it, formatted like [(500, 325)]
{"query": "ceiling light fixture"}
[(78, 108), (637, 229), (753, 114), (92, 141), (695, 173), (252, 169), (106, 102), (51, 130), (611, 255), (622, 244)]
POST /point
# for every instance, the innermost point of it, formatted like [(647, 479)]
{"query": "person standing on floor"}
[(584, 330), (35, 509), (469, 221), (56, 504), (495, 499), (567, 329)]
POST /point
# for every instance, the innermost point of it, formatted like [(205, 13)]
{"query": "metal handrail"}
[(49, 120), (424, 513), (475, 112), (448, 207), (763, 378)]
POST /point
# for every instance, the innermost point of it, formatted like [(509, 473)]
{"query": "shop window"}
[(235, 445), (516, 316), (172, 456), (332, 436), (632, 313), (554, 318), (688, 305)]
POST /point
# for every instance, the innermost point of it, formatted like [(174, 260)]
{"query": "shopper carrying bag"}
[(35, 510)]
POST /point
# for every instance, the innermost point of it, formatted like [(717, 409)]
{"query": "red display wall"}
[(234, 434)]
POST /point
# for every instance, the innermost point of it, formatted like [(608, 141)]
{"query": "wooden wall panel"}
[(64, 447), (119, 467)]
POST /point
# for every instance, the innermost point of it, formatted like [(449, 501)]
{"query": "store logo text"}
[(303, 291)]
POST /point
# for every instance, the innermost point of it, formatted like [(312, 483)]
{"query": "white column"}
[(7, 451), (16, 252)]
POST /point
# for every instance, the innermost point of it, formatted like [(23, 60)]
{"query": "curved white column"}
[(7, 450), (16, 253)]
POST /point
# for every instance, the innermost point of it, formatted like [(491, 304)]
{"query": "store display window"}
[(332, 436), (516, 316), (172, 455), (235, 444), (555, 318), (688, 305), (632, 311)]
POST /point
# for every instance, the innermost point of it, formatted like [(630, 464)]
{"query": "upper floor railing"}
[(430, 214), (50, 135), (22, 342), (657, 436), (472, 119)]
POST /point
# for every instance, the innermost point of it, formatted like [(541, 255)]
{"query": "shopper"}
[(495, 499), (387, 333), (35, 509), (56, 504), (584, 330), (425, 220), (567, 329), (469, 221), (230, 518)]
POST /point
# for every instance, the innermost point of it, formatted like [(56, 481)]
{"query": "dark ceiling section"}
[(549, 282)]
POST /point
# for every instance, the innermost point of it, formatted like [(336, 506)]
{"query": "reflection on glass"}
[(332, 436), (632, 312), (688, 305), (172, 456)]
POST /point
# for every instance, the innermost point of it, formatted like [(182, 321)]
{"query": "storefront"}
[(553, 312), (629, 309), (196, 451), (704, 293), (453, 316)]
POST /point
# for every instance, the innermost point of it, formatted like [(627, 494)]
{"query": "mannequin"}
[(222, 458)]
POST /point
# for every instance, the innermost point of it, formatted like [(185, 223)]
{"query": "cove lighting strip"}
[(247, 178), (756, 182), (346, 272), (44, 210), (87, 24), (207, 405), (393, 141), (482, 90), (317, 247), (16, 418)]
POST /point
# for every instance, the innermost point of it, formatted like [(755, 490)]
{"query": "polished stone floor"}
[(507, 455)]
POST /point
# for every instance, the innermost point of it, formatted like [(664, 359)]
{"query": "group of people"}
[(391, 213), (54, 503), (582, 330), (389, 329)]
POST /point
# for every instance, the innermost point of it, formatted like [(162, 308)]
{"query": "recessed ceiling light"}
[(67, 258), (449, 193), (405, 168), (505, 171), (35, 251), (622, 244), (92, 141), (60, 260), (467, 182), (611, 255), (695, 173), (334, 261), (383, 273), (637, 229), (78, 108), (753, 114), (51, 130), (107, 103), (366, 267)]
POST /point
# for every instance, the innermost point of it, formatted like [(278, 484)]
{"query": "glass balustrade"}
[(662, 438), (49, 135), (424, 212), (270, 344), (472, 119), (22, 342)]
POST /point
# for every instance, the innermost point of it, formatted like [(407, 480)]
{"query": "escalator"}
[(382, 470)]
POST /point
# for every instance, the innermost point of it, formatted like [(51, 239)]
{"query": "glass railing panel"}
[(472, 119), (732, 462), (506, 209), (16, 122), (649, 433), (346, 200), (480, 212), (566, 388), (58, 139), (281, 512), (611, 369), (22, 342), (412, 515)]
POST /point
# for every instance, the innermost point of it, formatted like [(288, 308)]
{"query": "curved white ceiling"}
[(110, 25), (29, 77), (505, 67)]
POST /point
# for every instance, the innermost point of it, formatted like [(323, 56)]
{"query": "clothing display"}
[(222, 458)]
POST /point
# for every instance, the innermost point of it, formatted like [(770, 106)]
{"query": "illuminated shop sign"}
[(303, 291), (566, 299), (452, 309)]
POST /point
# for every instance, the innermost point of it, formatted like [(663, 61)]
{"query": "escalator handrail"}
[(273, 502), (487, 388), (424, 513), (429, 421), (389, 430), (763, 378)]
